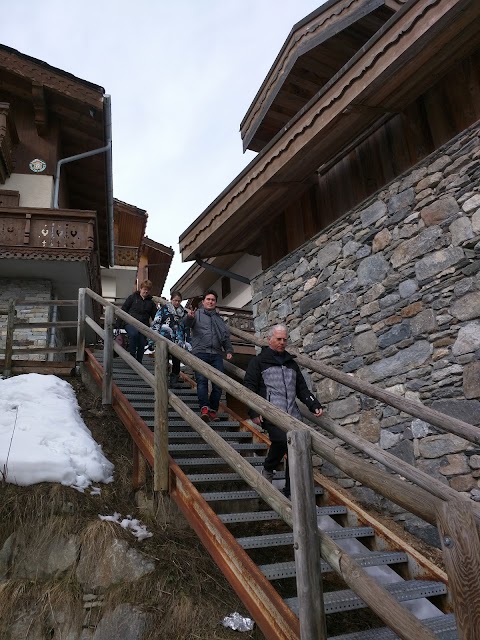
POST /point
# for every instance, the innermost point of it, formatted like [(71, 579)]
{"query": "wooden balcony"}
[(126, 256), (46, 233)]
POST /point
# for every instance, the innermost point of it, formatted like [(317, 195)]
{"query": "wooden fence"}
[(457, 517)]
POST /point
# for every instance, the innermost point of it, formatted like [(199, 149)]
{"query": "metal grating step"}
[(221, 424), (285, 539), (259, 516), (281, 570), (222, 496), (197, 478), (192, 435), (443, 626), (208, 462), (347, 600), (206, 447)]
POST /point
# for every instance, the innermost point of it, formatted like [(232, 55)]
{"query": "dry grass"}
[(186, 596)]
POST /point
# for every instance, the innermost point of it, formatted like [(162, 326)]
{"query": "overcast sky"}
[(181, 73)]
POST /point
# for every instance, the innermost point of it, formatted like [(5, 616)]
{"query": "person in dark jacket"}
[(140, 306), (209, 338), (275, 376)]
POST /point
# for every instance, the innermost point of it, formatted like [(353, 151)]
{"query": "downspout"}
[(107, 111), (222, 272)]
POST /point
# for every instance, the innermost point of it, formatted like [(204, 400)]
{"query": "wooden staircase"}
[(259, 562)]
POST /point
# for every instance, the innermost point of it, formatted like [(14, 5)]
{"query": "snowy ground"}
[(43, 437)]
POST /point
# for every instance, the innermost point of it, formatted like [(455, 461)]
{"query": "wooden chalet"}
[(361, 91), (154, 264)]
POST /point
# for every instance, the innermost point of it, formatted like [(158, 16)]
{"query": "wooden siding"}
[(402, 141)]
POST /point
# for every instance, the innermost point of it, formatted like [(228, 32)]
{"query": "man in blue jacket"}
[(275, 376), (209, 338)]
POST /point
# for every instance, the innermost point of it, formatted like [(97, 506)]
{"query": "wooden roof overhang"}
[(130, 224), (413, 50), (76, 106), (196, 280), (317, 47), (159, 259)]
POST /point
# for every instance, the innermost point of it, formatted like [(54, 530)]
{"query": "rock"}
[(432, 467), (462, 483), (461, 230), (439, 211), (54, 556), (466, 410), (309, 284), (471, 204), (369, 498), (437, 262), (364, 343), (351, 248), (260, 322), (403, 361), (381, 240), (420, 429), (468, 339), (467, 307), (117, 563), (328, 254), (438, 446), (476, 222), (471, 380), (6, 553), (423, 322), (125, 621), (421, 529), (368, 426), (345, 407), (314, 300), (407, 288), (401, 202), (389, 439), (302, 268), (404, 451), (454, 465), (284, 309), (328, 390), (415, 247), (343, 305), (396, 334), (372, 269), (371, 214)]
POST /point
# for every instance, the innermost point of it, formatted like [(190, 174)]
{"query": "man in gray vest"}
[(275, 376)]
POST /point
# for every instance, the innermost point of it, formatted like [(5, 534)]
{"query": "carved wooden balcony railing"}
[(239, 318), (126, 256), (47, 233)]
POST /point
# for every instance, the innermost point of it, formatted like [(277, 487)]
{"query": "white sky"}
[(181, 73), (43, 437)]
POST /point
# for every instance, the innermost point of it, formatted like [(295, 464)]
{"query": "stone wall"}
[(391, 293), (26, 289)]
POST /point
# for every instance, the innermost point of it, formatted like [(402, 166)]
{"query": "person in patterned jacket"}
[(168, 322), (275, 376)]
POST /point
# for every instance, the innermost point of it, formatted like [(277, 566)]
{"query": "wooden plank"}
[(305, 541), (160, 434), (59, 324), (461, 551), (108, 357), (139, 475), (81, 326), (7, 372)]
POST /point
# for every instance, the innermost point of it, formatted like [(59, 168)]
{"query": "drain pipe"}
[(109, 178)]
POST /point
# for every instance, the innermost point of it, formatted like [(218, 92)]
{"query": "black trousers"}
[(277, 451)]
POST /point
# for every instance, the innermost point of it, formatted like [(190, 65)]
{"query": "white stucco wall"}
[(35, 190), (241, 294)]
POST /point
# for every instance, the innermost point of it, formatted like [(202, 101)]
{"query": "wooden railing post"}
[(461, 553), (108, 356), (139, 467), (305, 538), (9, 338), (160, 435), (81, 327)]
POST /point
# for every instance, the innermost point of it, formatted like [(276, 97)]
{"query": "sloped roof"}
[(316, 49), (415, 47)]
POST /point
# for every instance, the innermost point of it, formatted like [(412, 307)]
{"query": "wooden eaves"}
[(415, 47)]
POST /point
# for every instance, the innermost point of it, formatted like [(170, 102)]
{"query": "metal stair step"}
[(281, 570), (242, 446), (208, 462), (347, 600), (192, 435), (220, 424), (259, 516), (239, 495), (285, 539), (198, 478), (443, 626)]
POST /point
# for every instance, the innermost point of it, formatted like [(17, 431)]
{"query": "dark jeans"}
[(175, 366), (136, 342), (216, 360), (277, 451)]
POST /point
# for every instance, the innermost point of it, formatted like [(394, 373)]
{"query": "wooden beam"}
[(40, 108)]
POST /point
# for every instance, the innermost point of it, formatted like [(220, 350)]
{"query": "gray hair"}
[(272, 330)]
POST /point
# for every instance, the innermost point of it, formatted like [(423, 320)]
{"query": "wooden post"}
[(139, 468), (108, 356), (461, 553), (305, 539), (9, 338), (160, 435), (81, 327)]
